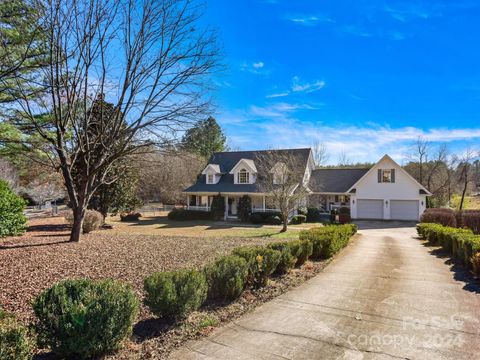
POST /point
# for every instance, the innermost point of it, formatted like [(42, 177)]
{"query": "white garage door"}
[(369, 209), (404, 209)]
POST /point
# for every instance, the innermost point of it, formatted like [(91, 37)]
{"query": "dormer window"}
[(243, 177), (210, 178)]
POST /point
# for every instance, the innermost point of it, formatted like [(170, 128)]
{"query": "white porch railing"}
[(264, 210), (199, 208)]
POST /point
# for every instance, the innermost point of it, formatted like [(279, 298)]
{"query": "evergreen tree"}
[(204, 138)]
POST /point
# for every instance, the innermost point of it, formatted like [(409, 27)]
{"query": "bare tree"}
[(343, 159), (41, 192), (164, 176), (149, 58), (320, 153), (465, 173), (8, 174), (419, 154), (282, 178)]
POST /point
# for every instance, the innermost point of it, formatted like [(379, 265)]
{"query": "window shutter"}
[(393, 175), (379, 175)]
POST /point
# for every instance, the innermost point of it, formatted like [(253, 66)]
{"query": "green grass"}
[(471, 202)]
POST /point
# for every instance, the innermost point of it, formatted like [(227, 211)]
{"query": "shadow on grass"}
[(165, 223), (459, 270), (151, 328)]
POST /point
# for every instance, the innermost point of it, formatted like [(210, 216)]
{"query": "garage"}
[(369, 209), (404, 209)]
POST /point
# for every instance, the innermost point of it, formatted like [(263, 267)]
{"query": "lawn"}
[(471, 202), (129, 252), (159, 224)]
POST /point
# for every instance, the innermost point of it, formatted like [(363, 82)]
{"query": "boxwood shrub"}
[(441, 216), (302, 250), (261, 261), (185, 215), (226, 277), (298, 219), (269, 217), (15, 342), (173, 295), (328, 240), (84, 318), (462, 244), (287, 258)]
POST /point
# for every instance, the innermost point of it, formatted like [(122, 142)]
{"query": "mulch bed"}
[(43, 256)]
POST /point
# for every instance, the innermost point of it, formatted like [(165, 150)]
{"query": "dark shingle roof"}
[(335, 180), (227, 160)]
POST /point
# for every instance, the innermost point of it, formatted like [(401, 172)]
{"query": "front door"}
[(232, 206)]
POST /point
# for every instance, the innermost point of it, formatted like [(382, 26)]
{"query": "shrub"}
[(445, 217), (15, 343), (471, 220), (287, 259), (302, 250), (173, 295), (270, 217), (298, 219), (93, 220), (130, 216), (302, 210), (185, 215), (85, 318), (476, 264), (217, 208), (12, 220), (313, 215), (461, 243), (244, 208), (261, 262), (328, 240), (226, 277)]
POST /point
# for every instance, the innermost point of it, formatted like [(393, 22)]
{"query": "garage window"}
[(386, 175)]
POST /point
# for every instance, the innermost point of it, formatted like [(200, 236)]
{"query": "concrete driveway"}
[(385, 296)]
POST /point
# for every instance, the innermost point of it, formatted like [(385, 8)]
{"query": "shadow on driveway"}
[(383, 224)]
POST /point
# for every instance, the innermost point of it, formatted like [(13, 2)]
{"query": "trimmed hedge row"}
[(185, 215), (328, 240), (86, 318), (462, 244), (452, 218)]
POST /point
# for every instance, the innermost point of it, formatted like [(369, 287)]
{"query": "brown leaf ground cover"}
[(43, 256)]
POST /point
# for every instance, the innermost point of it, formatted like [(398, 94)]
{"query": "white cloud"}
[(310, 20), (256, 67), (279, 127), (299, 86), (277, 95)]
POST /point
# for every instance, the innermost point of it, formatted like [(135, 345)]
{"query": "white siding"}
[(404, 188)]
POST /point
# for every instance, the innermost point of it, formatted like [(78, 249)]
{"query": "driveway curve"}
[(387, 295)]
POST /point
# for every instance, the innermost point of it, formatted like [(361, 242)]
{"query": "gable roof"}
[(214, 167), (248, 163), (335, 180), (228, 160), (387, 157)]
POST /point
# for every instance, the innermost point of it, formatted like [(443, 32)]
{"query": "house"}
[(385, 191)]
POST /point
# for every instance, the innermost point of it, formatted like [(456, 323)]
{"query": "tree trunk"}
[(285, 224), (77, 227), (463, 194)]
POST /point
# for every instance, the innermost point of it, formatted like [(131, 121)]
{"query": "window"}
[(243, 177), (210, 179), (387, 176)]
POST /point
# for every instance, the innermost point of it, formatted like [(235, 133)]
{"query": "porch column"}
[(263, 203), (226, 208), (188, 201)]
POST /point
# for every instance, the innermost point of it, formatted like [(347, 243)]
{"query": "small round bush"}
[(226, 277), (85, 318), (132, 216), (261, 261), (298, 219), (12, 220), (15, 343), (287, 259), (173, 295), (92, 221), (301, 250)]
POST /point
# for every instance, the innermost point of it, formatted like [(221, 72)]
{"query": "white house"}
[(385, 191)]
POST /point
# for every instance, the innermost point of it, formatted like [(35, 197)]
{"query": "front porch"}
[(260, 203), (329, 202)]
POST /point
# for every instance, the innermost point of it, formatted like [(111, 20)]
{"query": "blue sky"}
[(364, 77)]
